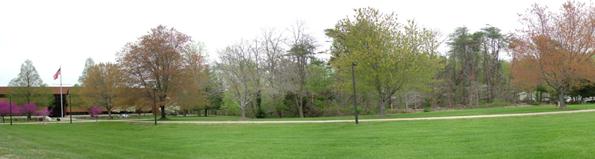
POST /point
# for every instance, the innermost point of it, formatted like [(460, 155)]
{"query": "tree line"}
[(396, 65)]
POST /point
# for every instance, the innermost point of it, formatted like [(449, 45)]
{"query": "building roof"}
[(55, 90)]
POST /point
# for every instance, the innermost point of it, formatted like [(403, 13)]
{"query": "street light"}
[(70, 106), (355, 112), (10, 107)]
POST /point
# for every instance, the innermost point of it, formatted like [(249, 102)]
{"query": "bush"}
[(427, 105), (4, 109), (28, 109), (94, 111)]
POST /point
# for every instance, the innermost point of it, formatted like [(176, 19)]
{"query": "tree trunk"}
[(382, 106), (243, 112), (109, 113), (561, 101), (298, 103), (163, 117)]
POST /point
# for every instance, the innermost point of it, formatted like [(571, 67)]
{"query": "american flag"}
[(57, 74)]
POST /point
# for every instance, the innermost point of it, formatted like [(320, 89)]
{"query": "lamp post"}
[(154, 105), (355, 112), (70, 106), (10, 107)]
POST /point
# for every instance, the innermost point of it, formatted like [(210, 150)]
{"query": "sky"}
[(66, 32)]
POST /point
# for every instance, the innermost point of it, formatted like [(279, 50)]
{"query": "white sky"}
[(66, 32)]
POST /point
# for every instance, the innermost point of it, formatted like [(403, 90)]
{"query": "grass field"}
[(551, 136)]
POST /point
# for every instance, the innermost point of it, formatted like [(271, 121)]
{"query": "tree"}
[(155, 62), (214, 91), (193, 81), (4, 110), (389, 56), (28, 109), (493, 43), (557, 46), (302, 49), (102, 85), (238, 71), (28, 87), (94, 112), (464, 64), (271, 64), (88, 64), (319, 83)]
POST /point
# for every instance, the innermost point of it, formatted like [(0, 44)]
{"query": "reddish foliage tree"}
[(555, 49), (156, 62)]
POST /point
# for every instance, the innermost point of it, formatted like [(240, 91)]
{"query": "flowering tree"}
[(28, 109), (94, 111), (4, 110)]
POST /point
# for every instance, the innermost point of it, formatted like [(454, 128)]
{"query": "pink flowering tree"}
[(4, 110), (94, 111), (28, 109)]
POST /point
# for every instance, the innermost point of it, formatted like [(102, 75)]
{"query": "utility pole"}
[(355, 112)]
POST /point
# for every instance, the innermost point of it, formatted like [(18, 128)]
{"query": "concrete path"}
[(319, 121), (372, 120)]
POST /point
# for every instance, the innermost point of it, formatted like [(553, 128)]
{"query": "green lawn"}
[(551, 136), (452, 112)]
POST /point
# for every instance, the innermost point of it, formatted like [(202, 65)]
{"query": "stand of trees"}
[(397, 68)]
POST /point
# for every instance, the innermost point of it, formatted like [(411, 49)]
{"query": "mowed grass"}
[(549, 136), (438, 113)]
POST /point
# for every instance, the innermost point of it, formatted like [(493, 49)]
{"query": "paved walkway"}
[(373, 120), (320, 121)]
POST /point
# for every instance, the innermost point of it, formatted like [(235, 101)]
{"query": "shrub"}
[(94, 111), (4, 109), (28, 109), (427, 105)]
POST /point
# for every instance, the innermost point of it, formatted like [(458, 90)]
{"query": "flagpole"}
[(61, 95)]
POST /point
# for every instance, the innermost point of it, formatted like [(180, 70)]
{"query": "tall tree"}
[(390, 56), (102, 85), (238, 71), (193, 80), (464, 60), (88, 64), (214, 91), (559, 45), (493, 42), (28, 87), (302, 49), (156, 62), (272, 64)]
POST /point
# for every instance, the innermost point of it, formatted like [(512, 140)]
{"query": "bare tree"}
[(239, 73), (302, 47)]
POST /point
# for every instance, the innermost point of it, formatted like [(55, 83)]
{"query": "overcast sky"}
[(60, 32)]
